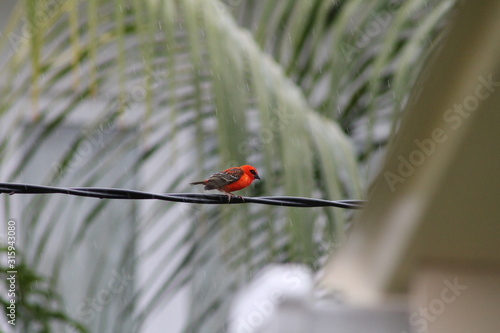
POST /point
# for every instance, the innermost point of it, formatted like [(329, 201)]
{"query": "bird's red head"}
[(250, 171)]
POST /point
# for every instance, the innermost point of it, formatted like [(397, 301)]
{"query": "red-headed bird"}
[(230, 180)]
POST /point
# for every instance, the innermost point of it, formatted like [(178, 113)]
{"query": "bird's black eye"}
[(253, 172)]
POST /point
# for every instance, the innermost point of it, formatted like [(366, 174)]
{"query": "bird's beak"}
[(257, 177)]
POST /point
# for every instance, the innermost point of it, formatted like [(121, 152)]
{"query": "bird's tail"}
[(203, 182)]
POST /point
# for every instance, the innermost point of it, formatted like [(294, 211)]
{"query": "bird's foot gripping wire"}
[(231, 195)]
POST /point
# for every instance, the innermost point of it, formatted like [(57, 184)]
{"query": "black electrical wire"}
[(116, 193)]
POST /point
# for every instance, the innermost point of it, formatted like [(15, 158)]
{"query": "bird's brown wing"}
[(220, 179)]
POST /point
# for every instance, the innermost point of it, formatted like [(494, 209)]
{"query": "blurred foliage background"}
[(154, 94)]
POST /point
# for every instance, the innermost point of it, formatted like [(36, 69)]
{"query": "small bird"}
[(229, 180)]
